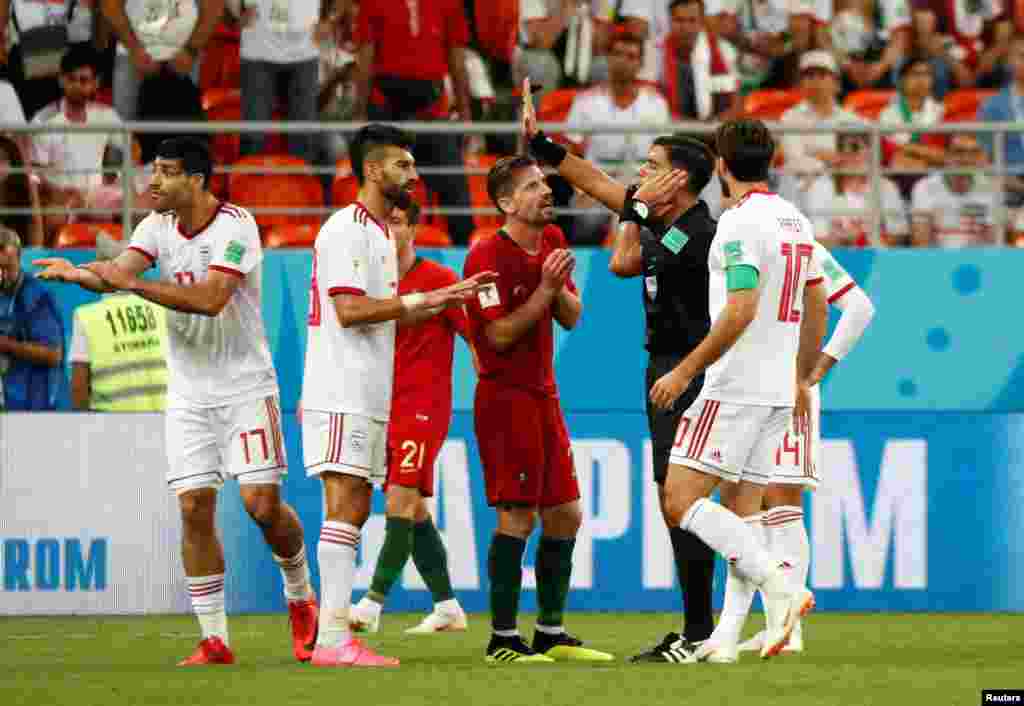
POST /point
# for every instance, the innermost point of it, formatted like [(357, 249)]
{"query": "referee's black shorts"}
[(663, 424)]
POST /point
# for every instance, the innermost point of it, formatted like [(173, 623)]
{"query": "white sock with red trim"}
[(207, 596), (787, 537), (739, 596), (730, 536), (337, 555), (295, 574)]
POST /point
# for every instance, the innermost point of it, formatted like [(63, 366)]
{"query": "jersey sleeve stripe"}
[(136, 248), (816, 280), (227, 270), (838, 295), (335, 291)]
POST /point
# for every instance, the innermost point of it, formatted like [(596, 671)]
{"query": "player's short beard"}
[(398, 196)]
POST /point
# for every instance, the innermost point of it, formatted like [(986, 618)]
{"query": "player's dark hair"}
[(913, 61), (371, 137), (677, 3), (79, 56), (691, 154), (622, 34), (193, 154), (747, 147), (412, 214), (501, 180)]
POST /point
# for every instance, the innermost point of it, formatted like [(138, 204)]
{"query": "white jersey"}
[(768, 233), (212, 361), (350, 370), (958, 220)]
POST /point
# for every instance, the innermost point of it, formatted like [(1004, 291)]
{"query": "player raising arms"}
[(769, 314), (798, 461), (421, 410), (349, 372), (524, 445), (223, 417)]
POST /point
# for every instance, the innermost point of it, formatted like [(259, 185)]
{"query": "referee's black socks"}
[(695, 564)]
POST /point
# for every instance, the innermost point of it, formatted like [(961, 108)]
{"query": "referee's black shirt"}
[(675, 291)]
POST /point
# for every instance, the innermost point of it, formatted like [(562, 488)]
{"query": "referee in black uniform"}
[(665, 236)]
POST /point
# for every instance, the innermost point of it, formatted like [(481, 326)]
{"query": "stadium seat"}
[(868, 103), (225, 105), (83, 235), (554, 106), (292, 235), (770, 104), (482, 234), (253, 190), (961, 106), (221, 65), (428, 236), (478, 197)]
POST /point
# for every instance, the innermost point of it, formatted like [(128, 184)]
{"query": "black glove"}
[(634, 210), (547, 150)]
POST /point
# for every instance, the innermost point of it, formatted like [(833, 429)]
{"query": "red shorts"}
[(413, 445), (524, 448)]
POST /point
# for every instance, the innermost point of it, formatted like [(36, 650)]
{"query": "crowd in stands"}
[(839, 63)]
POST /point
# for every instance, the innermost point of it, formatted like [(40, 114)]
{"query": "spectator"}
[(73, 162), (154, 38), (118, 350), (10, 105), (404, 52), (105, 203), (1008, 106), (32, 64), (973, 37), (19, 191), (915, 105), (812, 154), (624, 99), (871, 37), (699, 72), (560, 41), (956, 210), (765, 33), (650, 20), (279, 58), (851, 193), (31, 334)]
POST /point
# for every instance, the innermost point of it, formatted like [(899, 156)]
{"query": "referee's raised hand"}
[(529, 115), (660, 192)]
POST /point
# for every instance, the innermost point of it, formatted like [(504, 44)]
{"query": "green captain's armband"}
[(741, 277)]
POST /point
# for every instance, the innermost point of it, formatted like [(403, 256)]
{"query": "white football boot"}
[(447, 616), (364, 616)]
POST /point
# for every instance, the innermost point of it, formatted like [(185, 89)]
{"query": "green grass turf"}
[(850, 659)]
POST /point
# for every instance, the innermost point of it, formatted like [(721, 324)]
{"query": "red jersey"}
[(424, 352), (412, 37), (529, 363)]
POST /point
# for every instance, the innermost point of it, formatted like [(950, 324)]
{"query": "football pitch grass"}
[(850, 659)]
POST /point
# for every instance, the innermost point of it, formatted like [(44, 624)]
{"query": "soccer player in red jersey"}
[(421, 410), (524, 445)]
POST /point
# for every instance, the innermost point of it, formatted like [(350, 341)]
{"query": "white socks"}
[(787, 538), (739, 595), (337, 554), (731, 537), (207, 595), (295, 573)]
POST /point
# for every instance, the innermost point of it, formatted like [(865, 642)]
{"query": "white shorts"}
[(798, 458), (735, 442), (242, 441), (345, 443)]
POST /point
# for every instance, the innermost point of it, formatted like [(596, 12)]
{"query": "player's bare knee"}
[(563, 520), (347, 498), (516, 521), (263, 507), (403, 502), (198, 509), (780, 495)]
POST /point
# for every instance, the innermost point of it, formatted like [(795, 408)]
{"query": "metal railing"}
[(875, 132)]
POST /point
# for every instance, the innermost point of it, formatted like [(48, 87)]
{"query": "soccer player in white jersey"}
[(768, 312), (223, 416), (349, 373), (798, 459)]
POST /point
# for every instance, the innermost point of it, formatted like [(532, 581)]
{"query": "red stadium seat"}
[(961, 106), (254, 190), (428, 236), (555, 105), (221, 64), (292, 235), (83, 235), (478, 197), (868, 103), (770, 104)]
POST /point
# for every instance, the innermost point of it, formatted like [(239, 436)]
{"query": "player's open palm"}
[(58, 269), (463, 290), (802, 408), (529, 115)]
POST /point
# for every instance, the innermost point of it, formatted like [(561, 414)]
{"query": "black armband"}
[(547, 150)]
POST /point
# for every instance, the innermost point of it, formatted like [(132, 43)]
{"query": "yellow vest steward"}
[(127, 354)]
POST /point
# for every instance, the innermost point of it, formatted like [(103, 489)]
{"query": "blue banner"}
[(939, 340)]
